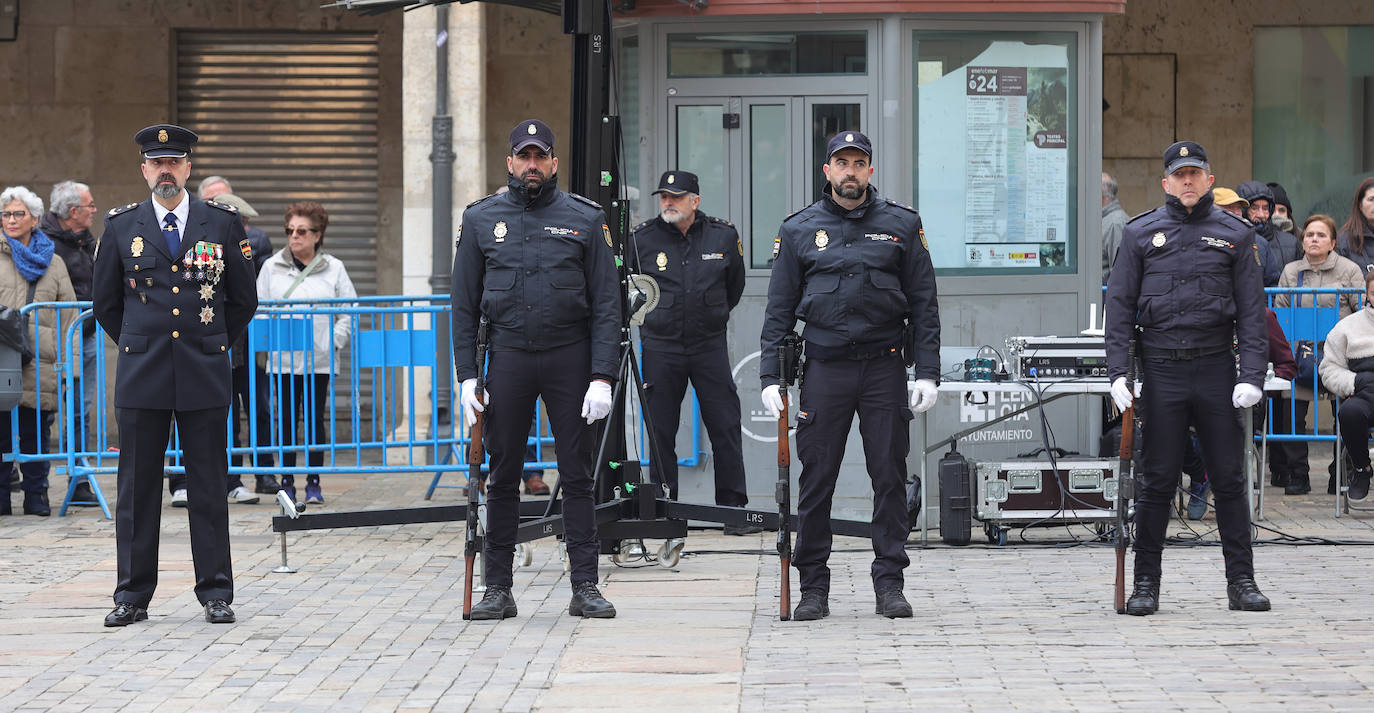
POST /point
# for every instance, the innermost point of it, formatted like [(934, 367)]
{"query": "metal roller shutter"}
[(289, 116)]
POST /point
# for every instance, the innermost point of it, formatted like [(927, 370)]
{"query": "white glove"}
[(596, 405), (923, 395), (1245, 395), (471, 404), (772, 400), (1121, 394)]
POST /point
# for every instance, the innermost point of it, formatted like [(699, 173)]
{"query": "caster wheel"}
[(524, 554), (1001, 537), (563, 555), (991, 533), (671, 552)]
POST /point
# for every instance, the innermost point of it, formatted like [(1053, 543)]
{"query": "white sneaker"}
[(179, 498), (242, 496)]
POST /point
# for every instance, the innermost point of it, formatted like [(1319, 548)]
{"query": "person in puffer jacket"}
[(303, 272), (1347, 370)]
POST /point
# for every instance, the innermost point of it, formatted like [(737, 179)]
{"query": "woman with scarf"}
[(30, 272)]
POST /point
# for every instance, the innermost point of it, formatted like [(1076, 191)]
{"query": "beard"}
[(672, 216), (166, 186), (533, 180), (850, 190)]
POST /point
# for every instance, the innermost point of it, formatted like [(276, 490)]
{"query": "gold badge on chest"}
[(499, 231), (137, 247), (662, 261), (822, 239), (1158, 240)]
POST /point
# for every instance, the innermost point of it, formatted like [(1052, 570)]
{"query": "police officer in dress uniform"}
[(1188, 276), (856, 269), (173, 287), (698, 262), (537, 262)]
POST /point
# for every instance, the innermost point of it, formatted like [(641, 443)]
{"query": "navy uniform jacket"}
[(1191, 281), (700, 278), (169, 357), (857, 278), (542, 272)]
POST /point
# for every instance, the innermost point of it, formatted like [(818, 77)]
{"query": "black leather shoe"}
[(1144, 599), (36, 504), (813, 605), (892, 604), (588, 602), (125, 614), (266, 485), (1278, 480), (217, 611), (83, 496), (1243, 594), (742, 529), (1298, 485), (1359, 484), (497, 603)]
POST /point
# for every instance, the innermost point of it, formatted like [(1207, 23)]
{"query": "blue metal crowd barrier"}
[(368, 390)]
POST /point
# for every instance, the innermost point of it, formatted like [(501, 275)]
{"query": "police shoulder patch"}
[(584, 200), (122, 209), (903, 206), (479, 200), (222, 206)]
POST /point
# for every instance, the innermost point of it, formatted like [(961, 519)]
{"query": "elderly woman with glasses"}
[(30, 272), (303, 272)]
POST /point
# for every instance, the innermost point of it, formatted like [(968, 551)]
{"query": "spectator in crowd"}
[(1113, 222), (1347, 370), (1229, 201), (1261, 198), (1320, 266), (30, 271), (71, 213), (302, 272), (1356, 239), (213, 187), (1283, 217), (245, 381)]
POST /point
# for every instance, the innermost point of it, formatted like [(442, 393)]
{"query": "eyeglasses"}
[(17, 215), (300, 231)]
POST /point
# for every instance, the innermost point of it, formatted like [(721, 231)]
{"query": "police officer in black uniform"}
[(173, 287), (1188, 277), (537, 262), (856, 269), (698, 262)]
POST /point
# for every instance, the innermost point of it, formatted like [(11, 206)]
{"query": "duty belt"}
[(854, 352), (1185, 354)]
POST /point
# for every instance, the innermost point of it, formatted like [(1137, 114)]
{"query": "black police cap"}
[(678, 183), (1183, 154), (531, 132), (166, 140), (848, 140)]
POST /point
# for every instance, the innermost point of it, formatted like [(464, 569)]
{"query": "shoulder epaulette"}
[(479, 200), (641, 226), (222, 206), (122, 209), (1238, 219), (903, 206), (1141, 215), (797, 212), (584, 199), (722, 221)]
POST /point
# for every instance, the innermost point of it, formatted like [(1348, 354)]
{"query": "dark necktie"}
[(172, 235)]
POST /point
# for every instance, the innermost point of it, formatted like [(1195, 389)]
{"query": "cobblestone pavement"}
[(371, 622)]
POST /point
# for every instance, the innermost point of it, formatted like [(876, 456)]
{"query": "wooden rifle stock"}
[(1125, 488), (475, 457), (787, 369)]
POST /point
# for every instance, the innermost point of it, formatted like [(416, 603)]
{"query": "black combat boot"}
[(892, 604), (588, 602), (497, 603), (1243, 594), (813, 606), (1298, 485), (1144, 599)]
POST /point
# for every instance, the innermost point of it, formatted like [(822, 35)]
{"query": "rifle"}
[(475, 456), (1125, 486), (788, 368)]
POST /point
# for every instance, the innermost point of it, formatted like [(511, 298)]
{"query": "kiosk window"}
[(997, 155), (730, 54)]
